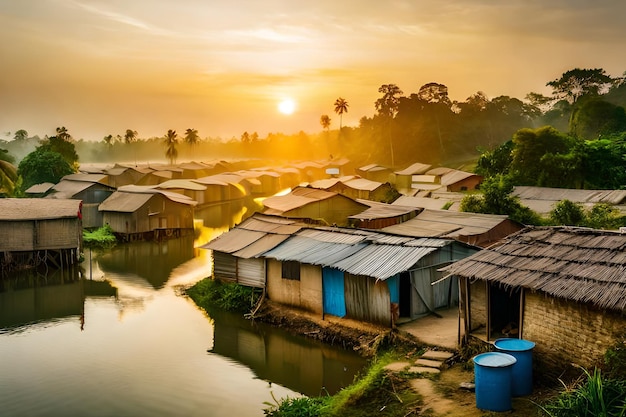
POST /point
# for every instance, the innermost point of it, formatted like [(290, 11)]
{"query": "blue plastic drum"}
[(522, 350), (492, 377)]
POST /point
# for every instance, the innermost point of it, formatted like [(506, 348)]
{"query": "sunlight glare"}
[(287, 106)]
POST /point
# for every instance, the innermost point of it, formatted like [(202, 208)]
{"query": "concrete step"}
[(429, 363), (423, 370), (437, 355)]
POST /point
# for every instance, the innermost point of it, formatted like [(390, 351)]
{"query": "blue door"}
[(334, 293)]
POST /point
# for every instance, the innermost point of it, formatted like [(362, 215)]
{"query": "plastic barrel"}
[(492, 378), (522, 350)]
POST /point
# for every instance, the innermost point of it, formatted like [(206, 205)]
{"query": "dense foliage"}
[(101, 238), (42, 166)]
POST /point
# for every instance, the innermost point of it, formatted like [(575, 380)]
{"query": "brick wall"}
[(568, 333)]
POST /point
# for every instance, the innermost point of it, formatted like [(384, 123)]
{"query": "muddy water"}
[(118, 339)]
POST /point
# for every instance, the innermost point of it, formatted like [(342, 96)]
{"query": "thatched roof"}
[(37, 209), (579, 264)]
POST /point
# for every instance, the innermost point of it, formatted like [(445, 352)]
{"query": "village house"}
[(404, 178), (135, 212), (356, 188), (381, 215), (39, 231), (473, 228), (563, 288), (316, 205), (91, 189), (375, 172), (353, 273)]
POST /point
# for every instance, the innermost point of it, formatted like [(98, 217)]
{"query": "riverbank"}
[(396, 383)]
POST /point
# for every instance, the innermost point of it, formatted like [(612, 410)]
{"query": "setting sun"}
[(287, 106)]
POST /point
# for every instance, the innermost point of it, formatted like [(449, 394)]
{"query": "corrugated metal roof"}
[(444, 223), (577, 196), (382, 261), (298, 197), (124, 202), (98, 178), (40, 188), (422, 202), (330, 236), (414, 169), (311, 251), (37, 208), (182, 184), (379, 210), (454, 176), (363, 184), (266, 243), (439, 171), (152, 189), (233, 240), (71, 188)]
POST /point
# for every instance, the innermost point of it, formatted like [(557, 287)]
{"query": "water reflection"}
[(274, 355), (166, 358)]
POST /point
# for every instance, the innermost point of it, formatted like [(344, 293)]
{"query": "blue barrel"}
[(492, 378), (522, 350)]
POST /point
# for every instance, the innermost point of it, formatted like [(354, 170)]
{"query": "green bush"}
[(209, 293), (102, 238)]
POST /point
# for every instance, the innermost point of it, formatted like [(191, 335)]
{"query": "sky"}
[(222, 67)]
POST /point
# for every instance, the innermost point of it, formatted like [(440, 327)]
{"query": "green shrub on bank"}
[(376, 393), (102, 238), (209, 293)]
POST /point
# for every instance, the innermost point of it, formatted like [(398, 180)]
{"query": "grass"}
[(377, 392), (595, 396)]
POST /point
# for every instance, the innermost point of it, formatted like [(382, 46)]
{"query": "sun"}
[(287, 106)]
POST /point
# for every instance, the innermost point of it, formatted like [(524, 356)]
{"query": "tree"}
[(130, 136), (567, 213), (325, 122), (191, 137), (595, 118), (341, 107), (108, 140), (387, 105), (497, 198), (20, 135), (387, 108), (434, 93), (43, 165), (577, 82), (62, 144), (171, 141), (530, 146)]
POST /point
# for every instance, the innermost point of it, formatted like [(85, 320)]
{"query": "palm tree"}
[(191, 137), (62, 134), (341, 107), (171, 140)]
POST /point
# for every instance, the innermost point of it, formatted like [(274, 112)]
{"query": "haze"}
[(222, 67)]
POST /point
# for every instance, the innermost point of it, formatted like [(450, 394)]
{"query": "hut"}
[(380, 215), (455, 180), (120, 175), (356, 188), (473, 228), (563, 288), (236, 254), (135, 212), (362, 275), (352, 273), (36, 231), (39, 190), (314, 204), (375, 172), (91, 189), (404, 178)]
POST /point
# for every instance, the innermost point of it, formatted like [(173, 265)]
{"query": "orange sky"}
[(100, 67)]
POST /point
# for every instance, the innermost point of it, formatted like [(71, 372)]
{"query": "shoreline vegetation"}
[(379, 391)]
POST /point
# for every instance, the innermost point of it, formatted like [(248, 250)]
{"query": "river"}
[(117, 338)]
